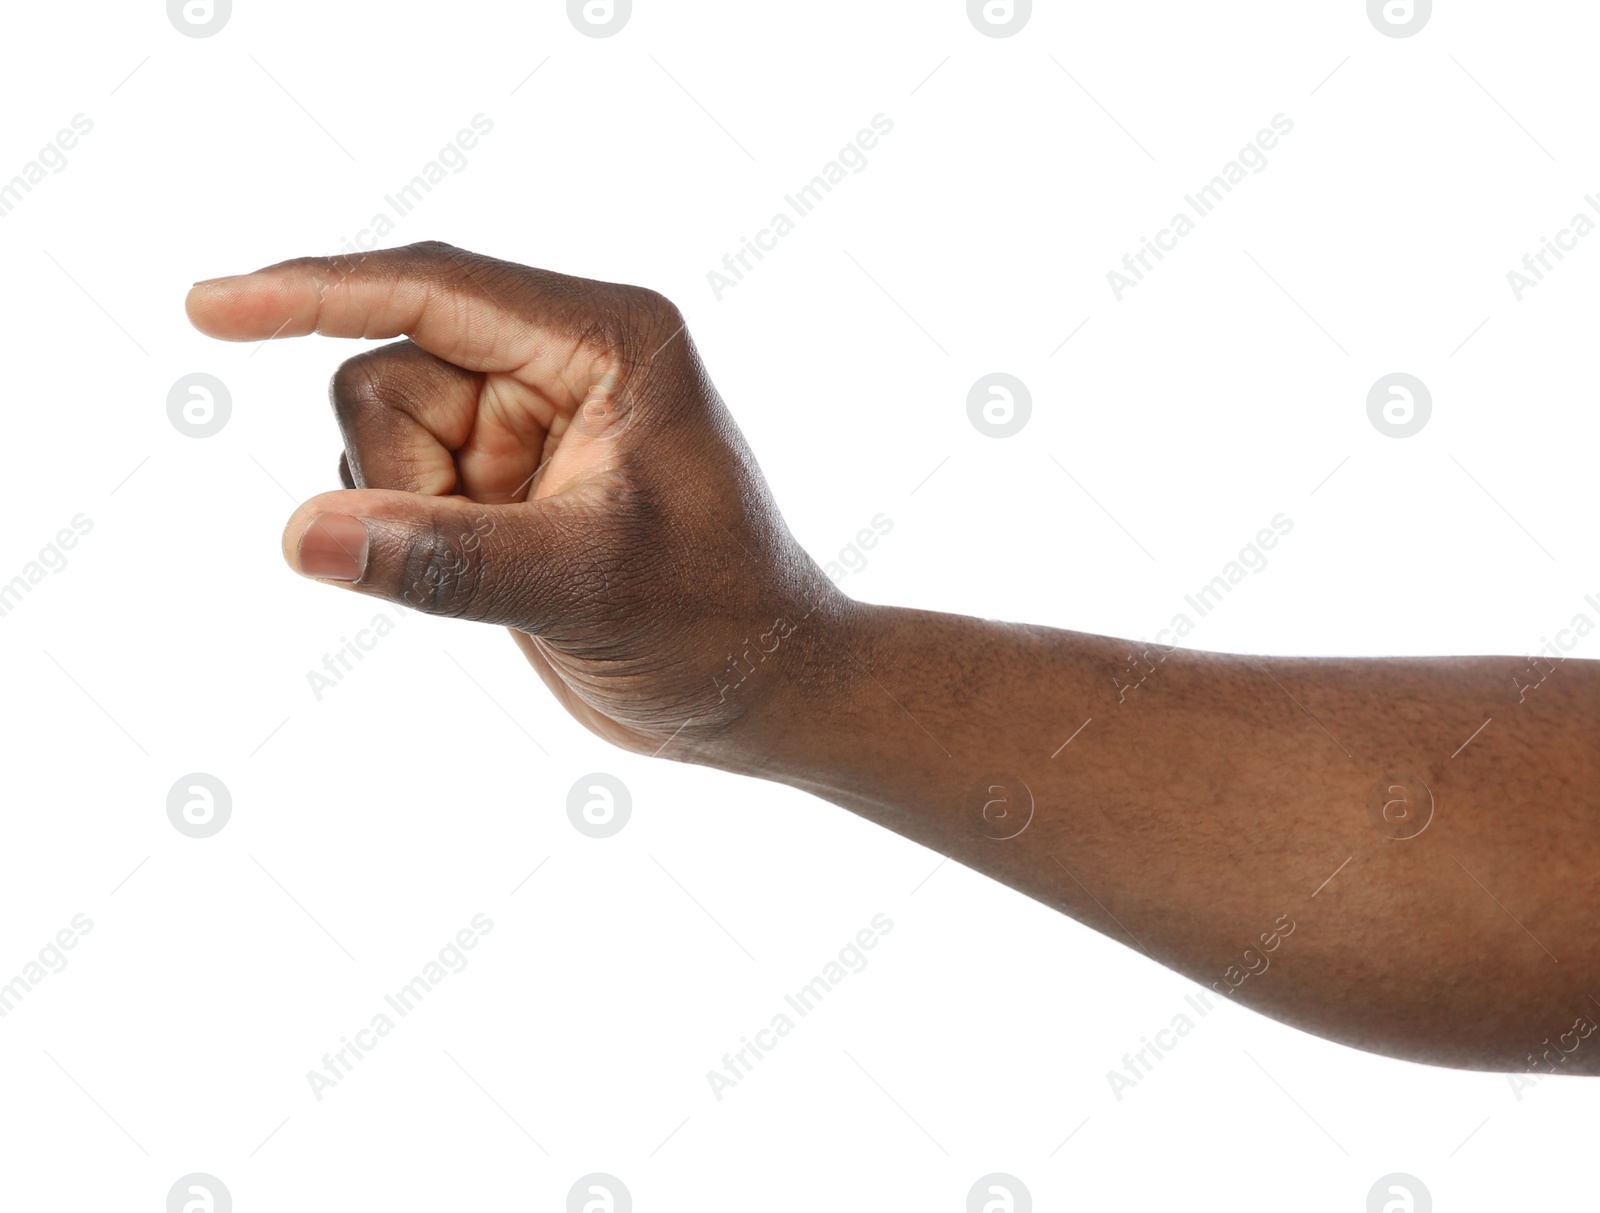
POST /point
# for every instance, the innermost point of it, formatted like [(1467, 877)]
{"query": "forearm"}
[(1195, 813)]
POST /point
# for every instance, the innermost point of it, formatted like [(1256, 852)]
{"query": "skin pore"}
[(1309, 837)]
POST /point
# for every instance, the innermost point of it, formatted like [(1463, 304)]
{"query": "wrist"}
[(825, 722), (790, 688)]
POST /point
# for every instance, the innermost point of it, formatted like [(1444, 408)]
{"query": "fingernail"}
[(334, 546), (213, 281)]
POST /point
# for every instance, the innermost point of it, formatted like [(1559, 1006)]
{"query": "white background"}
[(368, 827)]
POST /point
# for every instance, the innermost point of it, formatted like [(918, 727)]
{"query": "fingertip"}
[(294, 530), (249, 307), (332, 547), (202, 305), (364, 507)]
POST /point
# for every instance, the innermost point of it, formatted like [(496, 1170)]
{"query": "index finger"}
[(479, 313)]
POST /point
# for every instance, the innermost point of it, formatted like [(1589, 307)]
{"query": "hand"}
[(548, 453)]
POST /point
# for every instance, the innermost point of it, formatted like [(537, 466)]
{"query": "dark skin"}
[(549, 454)]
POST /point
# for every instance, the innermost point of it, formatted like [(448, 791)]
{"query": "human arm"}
[(549, 454)]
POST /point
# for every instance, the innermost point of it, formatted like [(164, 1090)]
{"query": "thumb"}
[(440, 555)]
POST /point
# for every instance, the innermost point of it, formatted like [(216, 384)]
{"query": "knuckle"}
[(637, 323), (334, 273), (355, 382), (439, 574), (653, 303), (656, 313)]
